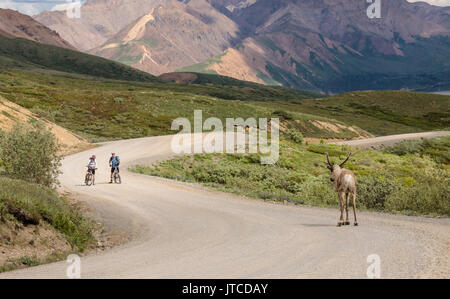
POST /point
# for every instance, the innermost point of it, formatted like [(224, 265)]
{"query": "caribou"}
[(345, 181)]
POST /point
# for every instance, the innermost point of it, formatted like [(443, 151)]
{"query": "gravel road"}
[(180, 230), (392, 139)]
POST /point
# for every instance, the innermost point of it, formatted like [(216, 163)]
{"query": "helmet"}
[(113, 153), (93, 157)]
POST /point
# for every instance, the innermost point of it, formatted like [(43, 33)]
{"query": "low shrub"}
[(30, 152), (406, 147), (317, 192), (430, 195), (438, 149), (295, 136), (374, 191), (283, 115), (333, 151)]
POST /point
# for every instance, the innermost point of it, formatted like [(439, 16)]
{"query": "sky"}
[(32, 7), (434, 2)]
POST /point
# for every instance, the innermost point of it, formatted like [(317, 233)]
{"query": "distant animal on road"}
[(345, 186)]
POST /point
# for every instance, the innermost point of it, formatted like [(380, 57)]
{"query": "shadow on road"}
[(104, 183), (318, 225)]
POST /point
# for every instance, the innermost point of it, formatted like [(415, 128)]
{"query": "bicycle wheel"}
[(117, 179), (89, 179)]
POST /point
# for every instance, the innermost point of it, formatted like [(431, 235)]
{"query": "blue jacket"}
[(114, 161)]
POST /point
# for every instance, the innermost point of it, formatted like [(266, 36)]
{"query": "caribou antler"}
[(342, 164), (328, 160)]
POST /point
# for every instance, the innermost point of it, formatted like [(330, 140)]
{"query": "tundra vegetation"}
[(30, 152), (104, 109), (29, 165), (412, 182)]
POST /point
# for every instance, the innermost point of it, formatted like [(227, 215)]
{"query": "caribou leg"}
[(347, 222), (354, 208), (341, 203)]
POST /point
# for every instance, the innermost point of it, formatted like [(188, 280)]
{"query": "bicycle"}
[(116, 176), (89, 179)]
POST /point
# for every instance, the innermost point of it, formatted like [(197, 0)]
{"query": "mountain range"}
[(16, 25), (26, 44), (330, 46)]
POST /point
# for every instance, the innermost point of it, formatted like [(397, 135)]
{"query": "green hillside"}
[(242, 90), (106, 109), (28, 55), (381, 112)]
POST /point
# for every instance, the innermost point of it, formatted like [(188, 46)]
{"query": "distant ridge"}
[(19, 53), (15, 24)]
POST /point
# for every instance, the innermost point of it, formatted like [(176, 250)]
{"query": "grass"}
[(32, 204), (412, 184), (381, 112), (258, 92), (31, 261), (438, 149), (107, 110), (24, 261)]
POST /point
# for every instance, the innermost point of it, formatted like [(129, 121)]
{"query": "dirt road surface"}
[(181, 230), (392, 139)]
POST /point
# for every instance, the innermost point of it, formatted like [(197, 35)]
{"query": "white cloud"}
[(25, 8), (434, 2), (33, 7)]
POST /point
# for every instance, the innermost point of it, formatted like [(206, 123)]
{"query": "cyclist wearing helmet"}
[(114, 162), (91, 167)]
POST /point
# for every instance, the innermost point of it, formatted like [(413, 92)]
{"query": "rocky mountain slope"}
[(322, 45), (14, 24), (100, 20), (333, 46), (172, 36)]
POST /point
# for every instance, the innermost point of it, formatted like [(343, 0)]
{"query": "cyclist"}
[(114, 162), (91, 167)]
